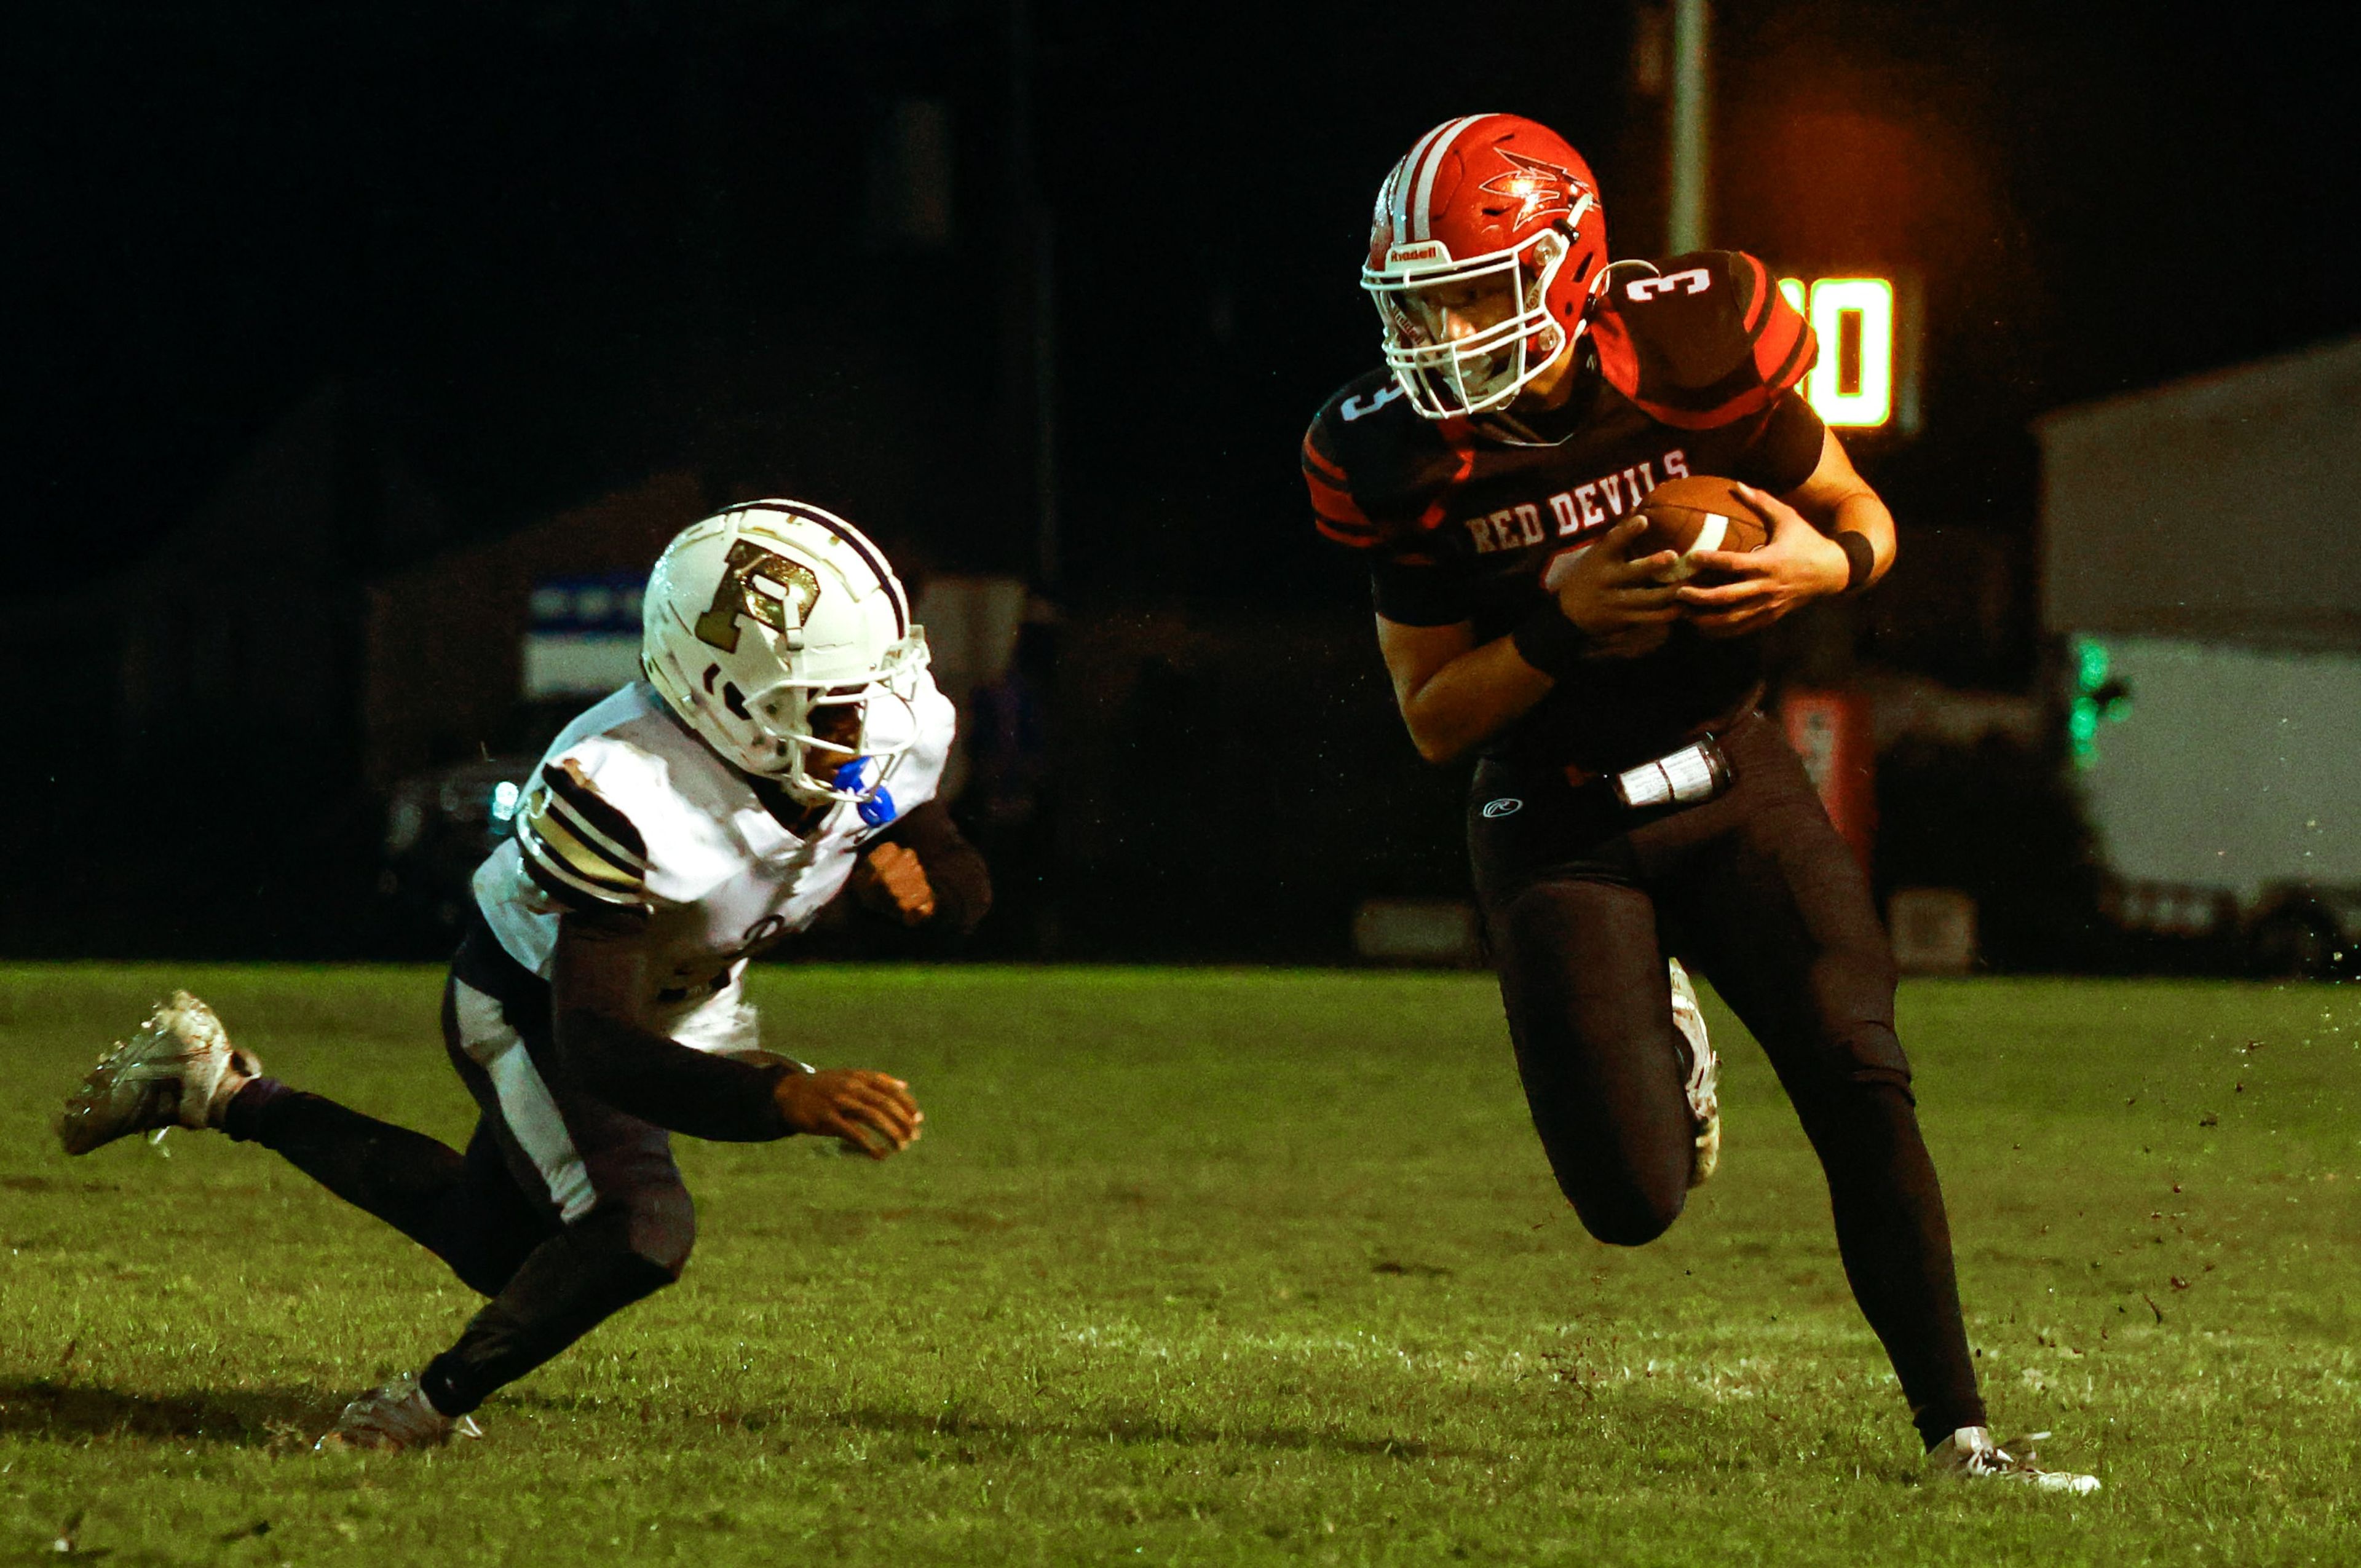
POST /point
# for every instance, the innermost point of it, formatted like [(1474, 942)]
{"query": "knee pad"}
[(1876, 1059), (1867, 1120)]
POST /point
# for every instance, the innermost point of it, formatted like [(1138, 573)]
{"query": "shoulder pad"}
[(1365, 426), (578, 845), (1700, 340), (1344, 423)]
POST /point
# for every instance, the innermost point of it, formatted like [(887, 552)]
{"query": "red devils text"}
[(1585, 508)]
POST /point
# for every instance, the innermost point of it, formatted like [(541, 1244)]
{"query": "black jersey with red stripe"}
[(1689, 366)]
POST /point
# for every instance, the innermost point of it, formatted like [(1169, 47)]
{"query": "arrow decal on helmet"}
[(1538, 187)]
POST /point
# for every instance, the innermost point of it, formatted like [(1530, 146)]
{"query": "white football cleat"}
[(179, 1070), (392, 1417), (1970, 1454), (1702, 1078)]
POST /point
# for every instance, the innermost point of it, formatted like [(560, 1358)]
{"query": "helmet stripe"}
[(1398, 183), (1389, 196), (860, 547), (1441, 139), (1405, 177)]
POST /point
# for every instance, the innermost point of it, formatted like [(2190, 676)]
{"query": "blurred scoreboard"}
[(1865, 381), (585, 635)]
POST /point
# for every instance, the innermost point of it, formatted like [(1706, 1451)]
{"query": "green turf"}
[(1215, 1266)]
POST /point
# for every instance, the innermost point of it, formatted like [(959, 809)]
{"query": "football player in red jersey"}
[(1628, 802)]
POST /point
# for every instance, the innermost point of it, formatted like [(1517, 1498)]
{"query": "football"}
[(1702, 511)]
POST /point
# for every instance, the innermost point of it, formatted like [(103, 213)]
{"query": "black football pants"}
[(562, 1209), (1582, 900)]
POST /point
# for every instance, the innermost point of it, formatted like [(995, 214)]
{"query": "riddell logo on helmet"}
[(1419, 253)]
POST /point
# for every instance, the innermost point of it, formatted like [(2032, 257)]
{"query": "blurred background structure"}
[(361, 356)]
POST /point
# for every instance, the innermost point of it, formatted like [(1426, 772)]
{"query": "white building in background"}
[(2202, 548)]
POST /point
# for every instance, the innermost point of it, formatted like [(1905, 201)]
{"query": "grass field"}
[(1213, 1267)]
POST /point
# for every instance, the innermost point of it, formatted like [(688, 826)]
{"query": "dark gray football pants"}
[(562, 1209), (1583, 898)]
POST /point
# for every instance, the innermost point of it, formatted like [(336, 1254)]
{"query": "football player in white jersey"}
[(783, 749)]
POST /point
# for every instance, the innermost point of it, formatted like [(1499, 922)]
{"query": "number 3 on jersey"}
[(1695, 280)]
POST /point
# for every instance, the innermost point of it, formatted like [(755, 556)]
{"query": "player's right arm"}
[(1456, 694), (1453, 693), (591, 862), (596, 983)]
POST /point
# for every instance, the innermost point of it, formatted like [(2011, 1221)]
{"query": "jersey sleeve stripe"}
[(1754, 401), (1780, 339), (1758, 284), (1786, 349), (1333, 510), (593, 818), (551, 837), (1318, 462), (1335, 504), (554, 873), (570, 866), (568, 889), (557, 814), (575, 864)]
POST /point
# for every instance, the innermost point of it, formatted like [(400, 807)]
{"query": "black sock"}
[(1896, 1246), (405, 1178), (244, 1116), (573, 1282)]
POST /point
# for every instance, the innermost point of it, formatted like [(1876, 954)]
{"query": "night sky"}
[(565, 244)]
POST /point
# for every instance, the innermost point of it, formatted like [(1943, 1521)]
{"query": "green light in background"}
[(2083, 731), (2090, 663), (2098, 699)]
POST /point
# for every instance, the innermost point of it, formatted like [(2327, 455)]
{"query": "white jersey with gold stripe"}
[(630, 810)]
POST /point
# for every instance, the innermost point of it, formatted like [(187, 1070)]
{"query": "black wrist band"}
[(1861, 559), (1550, 643)]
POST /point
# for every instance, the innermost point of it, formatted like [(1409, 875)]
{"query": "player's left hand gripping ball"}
[(870, 1112), (1799, 563)]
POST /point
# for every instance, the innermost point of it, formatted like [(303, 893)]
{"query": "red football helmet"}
[(1485, 243)]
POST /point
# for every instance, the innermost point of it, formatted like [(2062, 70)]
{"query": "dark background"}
[(560, 246)]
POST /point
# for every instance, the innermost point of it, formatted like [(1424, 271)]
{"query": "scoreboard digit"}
[(1859, 380)]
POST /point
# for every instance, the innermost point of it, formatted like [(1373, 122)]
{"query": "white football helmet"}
[(760, 614)]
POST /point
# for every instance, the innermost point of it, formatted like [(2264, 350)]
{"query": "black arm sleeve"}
[(955, 871), (595, 987), (1786, 450)]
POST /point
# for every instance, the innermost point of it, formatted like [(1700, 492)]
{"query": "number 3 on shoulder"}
[(1695, 280)]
